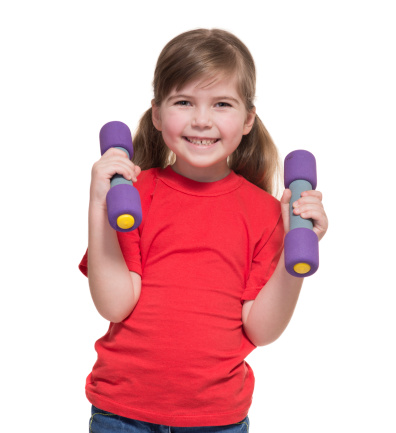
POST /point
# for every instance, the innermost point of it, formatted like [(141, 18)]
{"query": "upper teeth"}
[(201, 142)]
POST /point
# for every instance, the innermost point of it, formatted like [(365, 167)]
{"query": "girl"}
[(202, 281)]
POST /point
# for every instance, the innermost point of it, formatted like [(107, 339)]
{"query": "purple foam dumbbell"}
[(123, 201), (301, 242)]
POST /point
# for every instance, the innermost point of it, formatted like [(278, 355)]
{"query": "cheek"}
[(173, 124), (232, 126)]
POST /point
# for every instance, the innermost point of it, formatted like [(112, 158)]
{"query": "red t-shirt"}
[(202, 249)]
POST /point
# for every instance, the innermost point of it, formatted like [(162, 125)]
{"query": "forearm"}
[(273, 308), (109, 279)]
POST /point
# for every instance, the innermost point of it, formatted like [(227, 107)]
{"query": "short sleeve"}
[(83, 266), (266, 257), (130, 247), (130, 241)]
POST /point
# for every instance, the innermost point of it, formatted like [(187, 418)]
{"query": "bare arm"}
[(265, 318), (114, 289)]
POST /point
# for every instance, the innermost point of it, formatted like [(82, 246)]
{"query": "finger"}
[(115, 152), (138, 170), (306, 208), (307, 201), (314, 213), (312, 193), (124, 170), (318, 216), (308, 197), (111, 166), (286, 196), (285, 200)]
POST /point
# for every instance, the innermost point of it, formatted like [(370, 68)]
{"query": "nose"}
[(202, 118)]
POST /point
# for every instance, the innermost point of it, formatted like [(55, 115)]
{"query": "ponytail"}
[(257, 159), (150, 150)]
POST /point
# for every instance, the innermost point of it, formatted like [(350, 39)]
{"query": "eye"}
[(223, 104), (183, 103)]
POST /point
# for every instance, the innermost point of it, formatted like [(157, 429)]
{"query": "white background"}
[(326, 83)]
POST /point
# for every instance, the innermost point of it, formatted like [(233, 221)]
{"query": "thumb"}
[(285, 201)]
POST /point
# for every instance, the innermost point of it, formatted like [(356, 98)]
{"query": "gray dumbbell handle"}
[(118, 179), (297, 187)]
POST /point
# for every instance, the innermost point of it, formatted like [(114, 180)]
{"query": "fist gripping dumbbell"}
[(123, 201), (301, 242)]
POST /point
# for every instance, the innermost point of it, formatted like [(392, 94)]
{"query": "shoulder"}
[(261, 210), (258, 198), (145, 184), (147, 179), (148, 175)]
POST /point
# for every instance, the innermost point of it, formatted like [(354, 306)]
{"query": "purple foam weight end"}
[(301, 246), (300, 165), (115, 134), (123, 199)]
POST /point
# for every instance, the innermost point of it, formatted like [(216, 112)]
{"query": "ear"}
[(249, 121), (156, 115)]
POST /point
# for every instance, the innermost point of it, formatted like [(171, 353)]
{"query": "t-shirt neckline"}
[(192, 187)]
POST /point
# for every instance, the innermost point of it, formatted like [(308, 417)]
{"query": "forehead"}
[(227, 84)]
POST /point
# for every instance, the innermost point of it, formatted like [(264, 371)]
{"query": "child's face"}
[(203, 123)]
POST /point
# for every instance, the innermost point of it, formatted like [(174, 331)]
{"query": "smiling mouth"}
[(203, 142)]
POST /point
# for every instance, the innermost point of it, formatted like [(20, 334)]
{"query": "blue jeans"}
[(106, 422)]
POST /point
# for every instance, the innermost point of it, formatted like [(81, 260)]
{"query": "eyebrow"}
[(217, 98)]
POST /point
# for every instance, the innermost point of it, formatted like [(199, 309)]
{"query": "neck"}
[(202, 174)]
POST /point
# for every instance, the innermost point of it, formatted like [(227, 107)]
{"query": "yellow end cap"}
[(125, 221), (302, 268)]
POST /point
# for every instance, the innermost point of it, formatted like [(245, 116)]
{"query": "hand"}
[(308, 206), (113, 161)]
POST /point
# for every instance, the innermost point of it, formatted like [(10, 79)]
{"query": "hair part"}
[(205, 54)]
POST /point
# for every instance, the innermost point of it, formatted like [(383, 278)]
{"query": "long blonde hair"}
[(206, 53)]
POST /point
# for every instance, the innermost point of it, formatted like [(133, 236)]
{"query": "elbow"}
[(265, 341), (114, 316), (112, 305), (263, 338), (115, 313)]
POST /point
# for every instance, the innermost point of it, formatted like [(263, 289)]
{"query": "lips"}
[(201, 141)]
